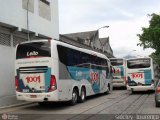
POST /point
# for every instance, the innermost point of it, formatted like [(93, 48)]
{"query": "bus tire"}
[(108, 90), (157, 104), (74, 97), (82, 96), (132, 91)]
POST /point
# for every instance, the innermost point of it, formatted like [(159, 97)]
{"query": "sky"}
[(125, 19)]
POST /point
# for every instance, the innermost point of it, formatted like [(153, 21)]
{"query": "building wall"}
[(42, 19), (43, 22), (7, 81)]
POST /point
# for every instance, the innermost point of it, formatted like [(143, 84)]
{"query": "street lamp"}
[(103, 27), (96, 31), (130, 53)]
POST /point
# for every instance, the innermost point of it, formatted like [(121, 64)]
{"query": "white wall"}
[(7, 80), (12, 13)]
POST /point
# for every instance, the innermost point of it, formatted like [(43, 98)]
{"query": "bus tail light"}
[(158, 89), (125, 80), (17, 83), (53, 84)]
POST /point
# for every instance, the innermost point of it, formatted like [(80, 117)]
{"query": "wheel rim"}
[(74, 97), (82, 95)]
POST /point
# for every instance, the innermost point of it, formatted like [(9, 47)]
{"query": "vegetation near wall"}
[(150, 37)]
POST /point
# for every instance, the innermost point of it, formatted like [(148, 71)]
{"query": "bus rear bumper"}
[(37, 97), (119, 84), (141, 88)]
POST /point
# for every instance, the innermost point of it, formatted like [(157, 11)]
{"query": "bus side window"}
[(107, 71)]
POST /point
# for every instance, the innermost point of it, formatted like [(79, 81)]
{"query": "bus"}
[(142, 74), (118, 72), (52, 70)]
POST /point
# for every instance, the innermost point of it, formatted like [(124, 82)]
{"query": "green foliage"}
[(155, 57), (150, 38)]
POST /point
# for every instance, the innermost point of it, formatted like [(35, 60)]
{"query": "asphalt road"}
[(119, 104)]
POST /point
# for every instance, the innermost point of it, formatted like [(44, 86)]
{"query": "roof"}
[(104, 40), (81, 35)]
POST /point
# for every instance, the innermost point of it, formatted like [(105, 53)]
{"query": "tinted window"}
[(34, 49), (116, 62), (71, 57), (138, 63)]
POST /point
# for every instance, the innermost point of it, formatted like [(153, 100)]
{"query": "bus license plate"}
[(33, 96)]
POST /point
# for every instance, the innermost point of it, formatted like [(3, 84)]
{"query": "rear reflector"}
[(17, 83), (158, 89), (53, 84), (125, 80)]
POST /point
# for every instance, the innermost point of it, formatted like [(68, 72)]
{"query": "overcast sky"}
[(125, 18)]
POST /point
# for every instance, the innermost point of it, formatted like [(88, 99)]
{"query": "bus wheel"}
[(108, 90), (82, 96), (132, 91), (157, 104), (74, 97)]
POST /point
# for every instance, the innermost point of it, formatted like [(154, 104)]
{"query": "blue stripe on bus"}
[(47, 79), (121, 72), (147, 76), (79, 73), (46, 84)]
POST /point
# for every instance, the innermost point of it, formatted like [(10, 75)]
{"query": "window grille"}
[(17, 40), (5, 39)]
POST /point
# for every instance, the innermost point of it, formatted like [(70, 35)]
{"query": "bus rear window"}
[(33, 50), (138, 63), (116, 62)]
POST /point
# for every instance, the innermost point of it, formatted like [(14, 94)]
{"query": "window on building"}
[(46, 2), (28, 4), (45, 9)]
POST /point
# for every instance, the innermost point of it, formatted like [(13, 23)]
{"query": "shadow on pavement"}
[(143, 92), (119, 88)]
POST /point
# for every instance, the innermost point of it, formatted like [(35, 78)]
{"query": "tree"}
[(150, 37)]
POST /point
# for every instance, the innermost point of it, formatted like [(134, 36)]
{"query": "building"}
[(89, 40), (39, 18), (106, 48), (23, 20)]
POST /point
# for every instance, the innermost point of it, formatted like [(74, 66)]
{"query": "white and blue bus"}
[(142, 74), (118, 72), (51, 70)]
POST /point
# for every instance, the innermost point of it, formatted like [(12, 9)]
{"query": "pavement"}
[(11, 101)]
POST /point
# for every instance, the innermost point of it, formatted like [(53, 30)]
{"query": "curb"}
[(16, 105)]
